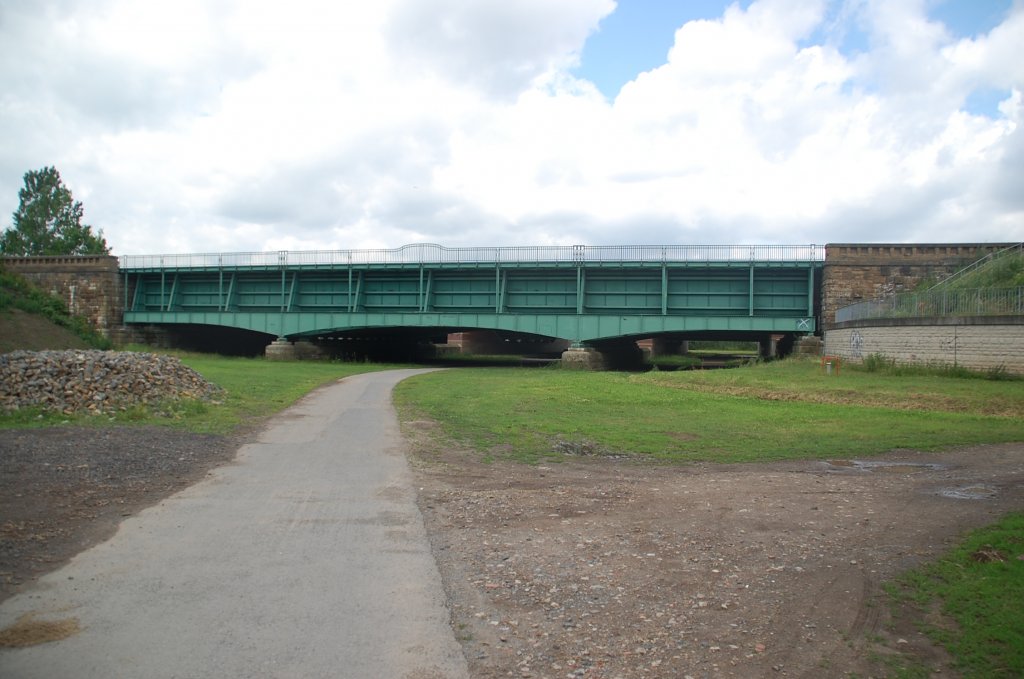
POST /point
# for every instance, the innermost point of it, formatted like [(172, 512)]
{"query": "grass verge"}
[(257, 388), (978, 587), (780, 410)]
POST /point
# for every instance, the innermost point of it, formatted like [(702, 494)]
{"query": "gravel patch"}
[(96, 382)]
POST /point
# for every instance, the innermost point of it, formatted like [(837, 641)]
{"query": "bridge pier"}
[(616, 355), (282, 349), (776, 346), (583, 358)]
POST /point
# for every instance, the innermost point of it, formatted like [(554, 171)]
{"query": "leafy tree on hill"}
[(48, 221)]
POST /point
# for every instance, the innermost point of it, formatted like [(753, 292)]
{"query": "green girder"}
[(581, 302)]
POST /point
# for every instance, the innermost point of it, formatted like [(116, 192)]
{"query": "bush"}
[(882, 364), (874, 363)]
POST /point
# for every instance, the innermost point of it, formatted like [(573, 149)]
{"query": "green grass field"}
[(786, 409), (779, 410)]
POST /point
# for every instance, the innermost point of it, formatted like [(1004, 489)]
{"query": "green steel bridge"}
[(583, 294)]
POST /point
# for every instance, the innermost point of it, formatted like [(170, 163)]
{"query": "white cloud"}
[(201, 126), (496, 46), (746, 131)]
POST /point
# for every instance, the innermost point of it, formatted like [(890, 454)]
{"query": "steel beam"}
[(607, 299)]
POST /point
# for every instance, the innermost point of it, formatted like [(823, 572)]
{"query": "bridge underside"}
[(582, 328), (580, 303)]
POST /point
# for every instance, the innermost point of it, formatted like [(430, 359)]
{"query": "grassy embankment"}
[(1003, 271), (21, 303)]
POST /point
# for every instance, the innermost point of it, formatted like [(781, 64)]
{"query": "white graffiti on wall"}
[(856, 343)]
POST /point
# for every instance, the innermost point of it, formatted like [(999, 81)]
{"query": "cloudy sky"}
[(251, 125)]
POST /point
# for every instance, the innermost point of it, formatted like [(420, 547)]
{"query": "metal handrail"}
[(990, 257), (430, 253), (938, 303)]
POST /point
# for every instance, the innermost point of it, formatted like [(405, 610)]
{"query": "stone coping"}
[(929, 321)]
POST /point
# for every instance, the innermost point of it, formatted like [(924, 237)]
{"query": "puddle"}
[(976, 492), (882, 466)]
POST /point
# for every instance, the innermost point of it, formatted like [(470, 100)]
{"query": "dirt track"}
[(604, 568), (595, 567)]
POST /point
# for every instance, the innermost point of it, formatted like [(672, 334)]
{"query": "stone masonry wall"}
[(980, 343), (89, 284), (861, 272)]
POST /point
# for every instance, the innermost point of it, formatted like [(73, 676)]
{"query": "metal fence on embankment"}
[(981, 302)]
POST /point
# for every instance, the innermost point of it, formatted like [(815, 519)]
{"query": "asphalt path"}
[(307, 557)]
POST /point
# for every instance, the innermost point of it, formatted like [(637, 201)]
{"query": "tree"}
[(49, 221)]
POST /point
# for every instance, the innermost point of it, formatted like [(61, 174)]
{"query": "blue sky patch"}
[(970, 18), (985, 102), (637, 36)]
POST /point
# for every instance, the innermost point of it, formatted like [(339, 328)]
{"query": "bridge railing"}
[(983, 262), (428, 253), (980, 302)]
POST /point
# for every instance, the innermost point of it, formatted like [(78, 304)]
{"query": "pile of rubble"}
[(96, 381)]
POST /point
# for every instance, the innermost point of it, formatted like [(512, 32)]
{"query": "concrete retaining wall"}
[(978, 343)]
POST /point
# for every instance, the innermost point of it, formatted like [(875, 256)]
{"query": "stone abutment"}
[(90, 285), (856, 272)]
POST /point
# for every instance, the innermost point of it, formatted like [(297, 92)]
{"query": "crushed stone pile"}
[(96, 382)]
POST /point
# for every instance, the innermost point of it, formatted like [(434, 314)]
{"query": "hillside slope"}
[(22, 330), (1003, 271), (33, 319)]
